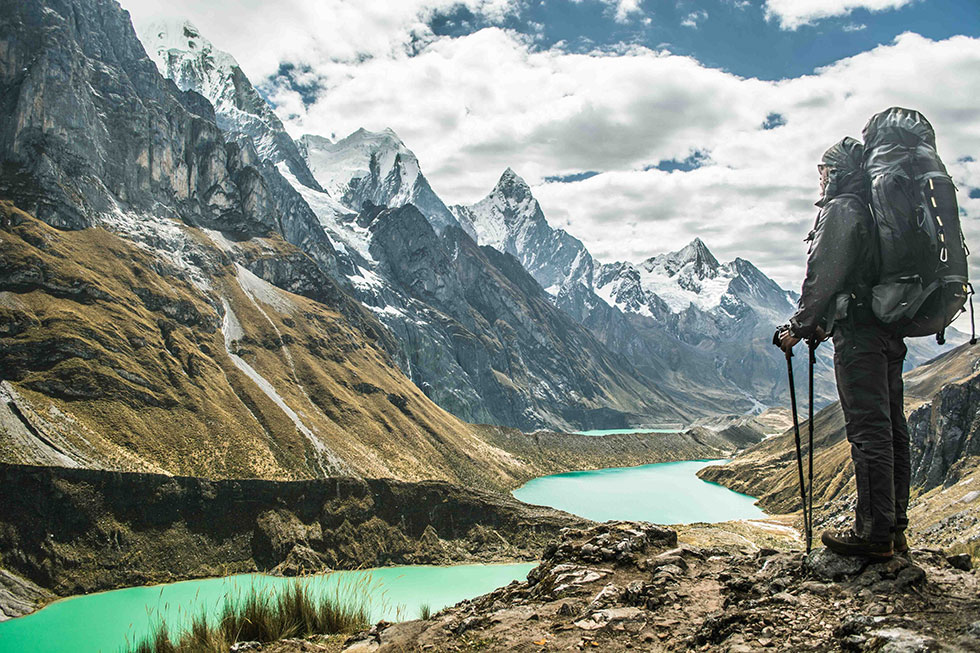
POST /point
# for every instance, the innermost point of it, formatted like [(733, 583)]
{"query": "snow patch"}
[(336, 165), (263, 291), (231, 328), (167, 239), (336, 219), (706, 297)]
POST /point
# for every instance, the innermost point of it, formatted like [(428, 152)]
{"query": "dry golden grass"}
[(263, 617), (147, 383)]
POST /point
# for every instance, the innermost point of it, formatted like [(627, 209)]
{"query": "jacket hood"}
[(846, 162)]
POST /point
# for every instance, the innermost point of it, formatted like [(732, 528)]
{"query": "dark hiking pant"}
[(868, 366)]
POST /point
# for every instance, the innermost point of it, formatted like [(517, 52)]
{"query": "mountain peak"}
[(162, 37), (512, 185), (695, 254), (386, 139), (696, 251)]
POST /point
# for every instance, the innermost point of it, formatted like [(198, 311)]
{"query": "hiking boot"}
[(899, 543), (849, 544)]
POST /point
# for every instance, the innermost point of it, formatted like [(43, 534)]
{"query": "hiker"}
[(836, 299)]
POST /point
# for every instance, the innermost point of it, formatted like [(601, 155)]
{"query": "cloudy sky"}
[(639, 123)]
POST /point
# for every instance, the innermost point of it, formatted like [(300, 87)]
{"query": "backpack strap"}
[(973, 325)]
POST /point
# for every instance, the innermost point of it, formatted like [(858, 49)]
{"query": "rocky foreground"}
[(619, 586)]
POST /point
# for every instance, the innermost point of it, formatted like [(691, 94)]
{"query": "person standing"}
[(868, 359)]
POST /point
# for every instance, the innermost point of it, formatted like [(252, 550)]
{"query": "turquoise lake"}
[(665, 493), (108, 620), (600, 432)]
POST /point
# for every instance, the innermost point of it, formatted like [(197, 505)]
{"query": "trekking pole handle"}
[(777, 339)]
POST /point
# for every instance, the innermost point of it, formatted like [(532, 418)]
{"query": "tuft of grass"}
[(261, 616), (971, 547), (425, 611)]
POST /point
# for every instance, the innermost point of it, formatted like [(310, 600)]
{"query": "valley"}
[(232, 353)]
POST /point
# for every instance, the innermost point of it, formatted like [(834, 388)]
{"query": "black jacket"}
[(841, 264)]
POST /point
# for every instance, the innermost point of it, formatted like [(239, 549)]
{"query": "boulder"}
[(829, 566), (302, 560)]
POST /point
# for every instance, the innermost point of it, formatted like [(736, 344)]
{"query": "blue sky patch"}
[(567, 179), (731, 36), (695, 160), (774, 120), (290, 74)]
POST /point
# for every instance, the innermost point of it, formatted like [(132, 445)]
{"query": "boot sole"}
[(884, 555)]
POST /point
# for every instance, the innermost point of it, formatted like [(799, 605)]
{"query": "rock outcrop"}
[(19, 596), (74, 531), (629, 586)]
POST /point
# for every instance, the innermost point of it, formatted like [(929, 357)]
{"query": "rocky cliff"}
[(74, 531), (183, 55)]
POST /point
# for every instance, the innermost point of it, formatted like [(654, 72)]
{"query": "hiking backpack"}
[(922, 280)]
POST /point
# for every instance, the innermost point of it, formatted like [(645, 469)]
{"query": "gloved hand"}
[(787, 341)]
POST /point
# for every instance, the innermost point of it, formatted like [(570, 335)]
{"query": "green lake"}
[(108, 620), (600, 432), (665, 493)]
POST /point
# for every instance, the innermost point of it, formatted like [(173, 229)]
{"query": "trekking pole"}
[(813, 343), (799, 451)]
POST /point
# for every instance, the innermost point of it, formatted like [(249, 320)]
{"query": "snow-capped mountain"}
[(678, 333), (373, 167), (510, 220), (683, 317), (473, 329), (692, 277), (183, 55)]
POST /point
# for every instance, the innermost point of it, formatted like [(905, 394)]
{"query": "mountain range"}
[(318, 284), (673, 353)]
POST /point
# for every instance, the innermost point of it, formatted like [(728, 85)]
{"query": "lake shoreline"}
[(106, 530), (663, 493), (498, 529), (392, 594)]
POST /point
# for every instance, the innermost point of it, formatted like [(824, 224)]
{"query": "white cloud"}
[(624, 9), (693, 18), (470, 107), (260, 36), (791, 14), (854, 27)]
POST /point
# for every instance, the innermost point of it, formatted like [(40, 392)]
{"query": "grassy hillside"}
[(110, 359)]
